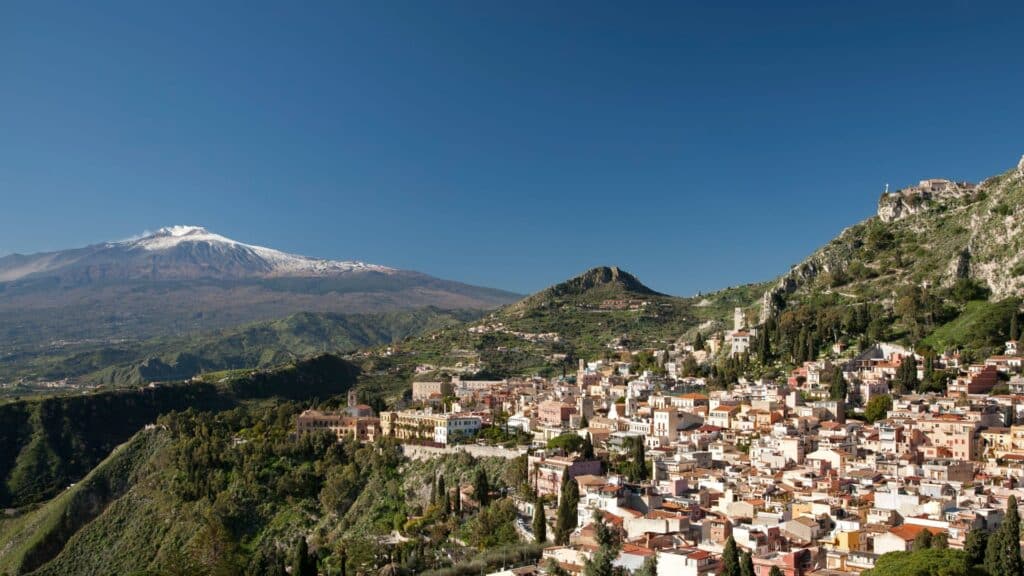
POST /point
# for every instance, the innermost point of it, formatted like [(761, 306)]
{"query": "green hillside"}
[(232, 493), (584, 317), (47, 444), (947, 273), (258, 345)]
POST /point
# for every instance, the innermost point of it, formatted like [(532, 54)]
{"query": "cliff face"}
[(929, 235)]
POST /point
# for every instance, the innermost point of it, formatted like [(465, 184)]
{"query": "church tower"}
[(738, 321)]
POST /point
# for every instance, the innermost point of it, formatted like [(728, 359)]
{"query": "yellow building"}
[(848, 541)]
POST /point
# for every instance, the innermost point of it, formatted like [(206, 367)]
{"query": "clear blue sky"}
[(508, 144)]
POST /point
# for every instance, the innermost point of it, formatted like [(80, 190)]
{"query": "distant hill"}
[(587, 316), (186, 279), (257, 345)]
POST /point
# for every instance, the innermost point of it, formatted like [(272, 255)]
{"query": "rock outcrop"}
[(914, 199)]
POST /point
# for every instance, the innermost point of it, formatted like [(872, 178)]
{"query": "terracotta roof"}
[(910, 531), (636, 550)]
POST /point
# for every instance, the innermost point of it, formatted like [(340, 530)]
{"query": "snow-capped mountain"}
[(186, 278), (183, 252), (275, 261)]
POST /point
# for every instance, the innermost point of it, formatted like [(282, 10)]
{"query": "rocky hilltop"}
[(928, 235)]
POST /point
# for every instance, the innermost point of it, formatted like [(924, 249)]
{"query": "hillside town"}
[(821, 473)]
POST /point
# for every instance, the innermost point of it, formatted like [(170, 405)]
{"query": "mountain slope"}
[(257, 345), (172, 253), (230, 493), (185, 279), (48, 443), (588, 316), (914, 267)]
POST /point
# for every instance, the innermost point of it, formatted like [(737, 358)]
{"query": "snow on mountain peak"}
[(281, 263), (171, 236), (180, 231)]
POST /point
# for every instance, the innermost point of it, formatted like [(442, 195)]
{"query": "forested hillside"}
[(49, 443), (234, 493)]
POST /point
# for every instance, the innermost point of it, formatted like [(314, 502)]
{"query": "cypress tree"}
[(909, 367), (929, 372), (730, 559), (446, 503), (776, 571), (439, 490), (1002, 556), (764, 348), (974, 546), (302, 563), (457, 501), (540, 523), (568, 501), (940, 541), (637, 468), (923, 541), (587, 451), (1014, 331), (650, 567), (746, 564), (481, 488), (839, 388)]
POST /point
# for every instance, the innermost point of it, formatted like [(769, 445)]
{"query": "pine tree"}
[(302, 563), (540, 523), (601, 562), (730, 559), (974, 546), (746, 564), (1002, 556), (566, 520), (481, 488)]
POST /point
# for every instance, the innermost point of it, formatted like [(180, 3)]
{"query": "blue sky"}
[(507, 144)]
